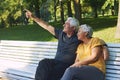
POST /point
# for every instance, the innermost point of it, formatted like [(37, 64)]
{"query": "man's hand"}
[(28, 14)]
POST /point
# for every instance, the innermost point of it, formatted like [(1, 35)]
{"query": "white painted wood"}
[(19, 59)]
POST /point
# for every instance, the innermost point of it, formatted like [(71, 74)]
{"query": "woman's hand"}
[(77, 64)]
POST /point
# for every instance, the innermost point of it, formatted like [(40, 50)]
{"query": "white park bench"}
[(19, 59)]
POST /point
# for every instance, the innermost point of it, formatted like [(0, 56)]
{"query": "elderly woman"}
[(89, 63)]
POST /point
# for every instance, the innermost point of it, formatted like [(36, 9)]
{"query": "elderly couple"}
[(79, 55)]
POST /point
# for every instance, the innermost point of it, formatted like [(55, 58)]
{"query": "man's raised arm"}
[(40, 22)]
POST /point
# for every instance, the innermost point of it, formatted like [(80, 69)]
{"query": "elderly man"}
[(53, 69)]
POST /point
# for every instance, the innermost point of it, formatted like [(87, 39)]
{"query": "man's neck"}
[(70, 34)]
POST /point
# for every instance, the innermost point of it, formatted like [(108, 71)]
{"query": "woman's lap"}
[(83, 73)]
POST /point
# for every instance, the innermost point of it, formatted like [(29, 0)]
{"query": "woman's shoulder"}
[(94, 39)]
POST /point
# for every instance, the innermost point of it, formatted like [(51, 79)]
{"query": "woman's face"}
[(81, 34)]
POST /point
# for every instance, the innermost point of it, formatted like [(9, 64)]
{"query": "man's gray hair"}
[(87, 28), (73, 22)]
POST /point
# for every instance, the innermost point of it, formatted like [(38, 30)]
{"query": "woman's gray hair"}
[(87, 28), (73, 23)]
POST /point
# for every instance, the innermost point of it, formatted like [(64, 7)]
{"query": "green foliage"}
[(11, 11), (10, 8), (104, 28), (95, 3)]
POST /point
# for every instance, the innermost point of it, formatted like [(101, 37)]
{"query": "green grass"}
[(31, 33), (104, 27)]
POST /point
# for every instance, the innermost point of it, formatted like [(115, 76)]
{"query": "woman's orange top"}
[(85, 50)]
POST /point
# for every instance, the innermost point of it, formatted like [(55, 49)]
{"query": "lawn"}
[(104, 27)]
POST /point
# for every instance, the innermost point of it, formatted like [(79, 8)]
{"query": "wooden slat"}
[(113, 62), (29, 49), (27, 43), (28, 60), (113, 75), (113, 45), (114, 49), (114, 54), (113, 67)]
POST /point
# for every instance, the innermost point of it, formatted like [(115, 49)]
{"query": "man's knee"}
[(44, 61)]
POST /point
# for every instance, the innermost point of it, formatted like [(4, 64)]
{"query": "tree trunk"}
[(62, 12), (95, 12), (55, 9), (117, 34), (69, 8), (77, 9), (115, 7), (37, 7)]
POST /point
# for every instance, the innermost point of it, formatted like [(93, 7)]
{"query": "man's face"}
[(67, 28)]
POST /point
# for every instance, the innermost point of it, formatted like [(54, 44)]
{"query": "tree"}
[(37, 8), (10, 8), (55, 9), (69, 8), (77, 9), (62, 11), (116, 7), (117, 34), (95, 4)]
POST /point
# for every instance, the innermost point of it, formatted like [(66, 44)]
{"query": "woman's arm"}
[(95, 54)]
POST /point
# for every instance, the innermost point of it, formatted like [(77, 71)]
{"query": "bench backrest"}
[(20, 58), (27, 51), (31, 52), (113, 64)]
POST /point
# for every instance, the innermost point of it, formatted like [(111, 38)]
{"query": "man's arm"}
[(40, 22), (105, 50), (105, 53)]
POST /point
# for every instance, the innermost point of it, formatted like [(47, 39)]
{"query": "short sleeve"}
[(77, 51), (96, 42), (103, 42), (57, 33)]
